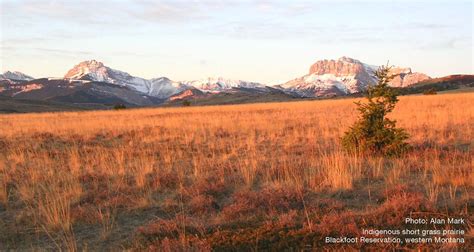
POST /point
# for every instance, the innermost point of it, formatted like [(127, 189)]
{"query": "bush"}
[(373, 133), (119, 106), (430, 91), (186, 103)]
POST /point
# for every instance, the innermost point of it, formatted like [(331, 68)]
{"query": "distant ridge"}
[(93, 83), (17, 76)]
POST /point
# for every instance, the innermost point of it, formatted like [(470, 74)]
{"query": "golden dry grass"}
[(172, 178)]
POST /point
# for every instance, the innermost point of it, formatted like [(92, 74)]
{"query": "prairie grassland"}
[(240, 177)]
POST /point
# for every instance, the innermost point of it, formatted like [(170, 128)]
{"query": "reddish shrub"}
[(202, 204), (250, 204)]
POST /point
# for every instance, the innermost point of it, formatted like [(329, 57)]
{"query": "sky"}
[(264, 41)]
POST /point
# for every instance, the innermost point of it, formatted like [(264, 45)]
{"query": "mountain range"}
[(15, 76), (92, 82)]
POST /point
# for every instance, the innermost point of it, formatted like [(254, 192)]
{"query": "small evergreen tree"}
[(186, 103), (374, 133), (431, 91), (119, 106)]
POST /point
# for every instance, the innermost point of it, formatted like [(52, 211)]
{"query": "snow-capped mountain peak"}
[(163, 87), (96, 71), (15, 75), (325, 77), (344, 76), (94, 68), (219, 84)]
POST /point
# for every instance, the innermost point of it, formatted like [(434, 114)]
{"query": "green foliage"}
[(119, 106), (374, 133), (430, 91), (186, 103)]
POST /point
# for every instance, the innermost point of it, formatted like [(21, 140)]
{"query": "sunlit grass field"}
[(239, 177)]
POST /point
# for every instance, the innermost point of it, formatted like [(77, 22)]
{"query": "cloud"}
[(59, 22), (281, 29), (108, 14), (12, 52), (446, 44), (39, 12), (63, 52), (167, 11), (24, 41), (261, 16)]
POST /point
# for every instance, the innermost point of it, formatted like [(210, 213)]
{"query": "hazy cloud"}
[(447, 44), (87, 12), (203, 29), (275, 18), (167, 11), (63, 52)]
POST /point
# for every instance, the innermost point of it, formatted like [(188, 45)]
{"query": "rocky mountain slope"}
[(15, 76), (450, 83), (97, 71), (75, 92), (158, 87), (221, 84), (345, 76), (93, 82)]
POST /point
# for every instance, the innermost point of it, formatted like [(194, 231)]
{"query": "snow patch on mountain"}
[(164, 87), (97, 71), (158, 87), (346, 75), (325, 77), (28, 88), (221, 84), (15, 75), (321, 83)]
